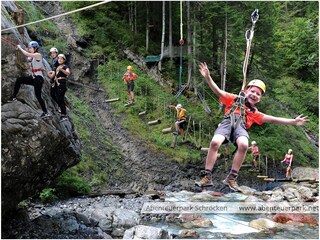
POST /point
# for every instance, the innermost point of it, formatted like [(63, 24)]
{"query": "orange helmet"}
[(129, 68), (257, 83)]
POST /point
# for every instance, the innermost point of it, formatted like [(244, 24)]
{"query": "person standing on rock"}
[(238, 118), (61, 74), (54, 64), (181, 123), (128, 79), (255, 153), (36, 79), (288, 160)]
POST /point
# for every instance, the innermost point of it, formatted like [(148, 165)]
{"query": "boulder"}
[(305, 172), (295, 217), (262, 223), (145, 232)]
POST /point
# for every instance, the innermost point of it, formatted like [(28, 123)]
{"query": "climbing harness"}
[(241, 99)]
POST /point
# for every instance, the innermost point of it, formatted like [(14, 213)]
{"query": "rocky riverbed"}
[(122, 217)]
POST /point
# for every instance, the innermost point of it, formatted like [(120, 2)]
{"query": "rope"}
[(249, 35), (59, 15), (6, 40), (181, 44)]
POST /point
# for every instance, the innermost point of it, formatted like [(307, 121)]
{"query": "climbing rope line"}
[(59, 15)]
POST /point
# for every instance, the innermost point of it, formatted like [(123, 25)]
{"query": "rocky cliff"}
[(34, 151)]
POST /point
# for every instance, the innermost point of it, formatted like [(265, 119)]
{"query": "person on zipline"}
[(54, 64), (180, 124), (237, 132), (255, 153), (36, 79), (129, 78), (288, 159)]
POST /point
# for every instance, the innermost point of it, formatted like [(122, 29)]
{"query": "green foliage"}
[(48, 195), (69, 185)]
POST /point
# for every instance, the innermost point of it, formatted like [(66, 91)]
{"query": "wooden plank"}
[(112, 100)]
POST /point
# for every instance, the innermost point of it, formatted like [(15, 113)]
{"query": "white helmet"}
[(54, 50), (253, 143), (62, 55), (179, 106)]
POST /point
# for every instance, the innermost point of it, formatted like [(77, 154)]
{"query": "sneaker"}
[(13, 99), (63, 118), (44, 115), (184, 140), (175, 133), (206, 180), (232, 184)]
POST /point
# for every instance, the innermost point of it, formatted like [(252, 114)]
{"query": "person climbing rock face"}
[(288, 160), (255, 153), (181, 122), (129, 78), (36, 79), (234, 126)]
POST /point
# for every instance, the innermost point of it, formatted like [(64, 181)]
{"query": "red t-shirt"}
[(251, 117)]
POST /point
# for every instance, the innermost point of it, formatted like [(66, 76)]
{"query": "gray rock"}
[(145, 232)]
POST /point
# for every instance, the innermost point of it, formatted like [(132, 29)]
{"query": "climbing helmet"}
[(257, 83)]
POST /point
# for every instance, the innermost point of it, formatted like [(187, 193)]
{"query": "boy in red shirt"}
[(129, 78), (237, 134)]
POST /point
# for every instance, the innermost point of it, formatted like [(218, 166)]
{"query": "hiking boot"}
[(232, 184), (44, 115), (206, 179)]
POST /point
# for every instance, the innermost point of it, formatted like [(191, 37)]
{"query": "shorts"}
[(256, 157), (182, 124), (224, 129), (130, 85)]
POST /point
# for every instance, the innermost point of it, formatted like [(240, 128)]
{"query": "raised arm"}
[(203, 68), (298, 121), (37, 56)]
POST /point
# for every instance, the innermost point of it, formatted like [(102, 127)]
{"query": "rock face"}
[(34, 151)]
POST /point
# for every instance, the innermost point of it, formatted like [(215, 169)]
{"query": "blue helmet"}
[(33, 44)]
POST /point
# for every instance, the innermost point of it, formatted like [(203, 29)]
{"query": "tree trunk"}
[(224, 60), (147, 27), (189, 44), (163, 32), (170, 31), (194, 67), (214, 44), (135, 18)]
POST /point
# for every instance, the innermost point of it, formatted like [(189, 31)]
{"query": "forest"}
[(284, 54)]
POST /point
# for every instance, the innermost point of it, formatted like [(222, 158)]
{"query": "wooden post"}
[(155, 122), (167, 130), (142, 113), (112, 100)]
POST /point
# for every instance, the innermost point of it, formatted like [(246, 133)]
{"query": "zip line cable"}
[(59, 15)]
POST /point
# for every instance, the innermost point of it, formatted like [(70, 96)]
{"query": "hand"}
[(300, 121), (18, 47), (203, 68)]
